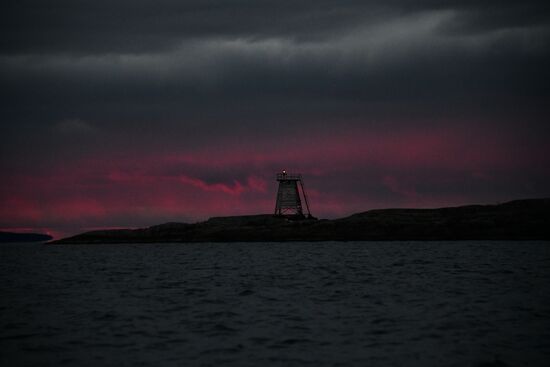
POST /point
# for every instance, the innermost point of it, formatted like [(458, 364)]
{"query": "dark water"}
[(286, 304)]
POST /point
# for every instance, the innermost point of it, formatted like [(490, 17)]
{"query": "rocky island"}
[(515, 220)]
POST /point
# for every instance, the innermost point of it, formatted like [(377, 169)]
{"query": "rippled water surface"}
[(286, 304)]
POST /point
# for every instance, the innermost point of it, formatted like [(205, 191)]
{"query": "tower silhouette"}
[(289, 202)]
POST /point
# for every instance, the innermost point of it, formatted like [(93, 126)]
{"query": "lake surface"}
[(282, 304)]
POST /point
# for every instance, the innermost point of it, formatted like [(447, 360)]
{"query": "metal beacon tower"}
[(288, 202)]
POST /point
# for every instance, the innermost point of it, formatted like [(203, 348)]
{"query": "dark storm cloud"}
[(89, 27), (138, 26), (367, 53)]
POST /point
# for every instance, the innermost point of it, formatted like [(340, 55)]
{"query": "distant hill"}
[(515, 220), (23, 237)]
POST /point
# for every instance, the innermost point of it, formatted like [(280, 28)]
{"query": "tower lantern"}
[(289, 202)]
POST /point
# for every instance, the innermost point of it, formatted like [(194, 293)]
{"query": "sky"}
[(134, 113)]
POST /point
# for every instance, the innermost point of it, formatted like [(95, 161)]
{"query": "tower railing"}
[(288, 176)]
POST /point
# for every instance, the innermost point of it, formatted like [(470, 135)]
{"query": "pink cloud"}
[(235, 189)]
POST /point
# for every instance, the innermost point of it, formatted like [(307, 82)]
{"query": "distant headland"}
[(516, 220), (23, 237)]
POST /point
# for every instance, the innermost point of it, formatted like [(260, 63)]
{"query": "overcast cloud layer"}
[(131, 113)]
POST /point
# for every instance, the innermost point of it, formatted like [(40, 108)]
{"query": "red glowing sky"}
[(344, 173)]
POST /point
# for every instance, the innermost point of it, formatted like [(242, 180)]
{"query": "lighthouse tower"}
[(289, 202)]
